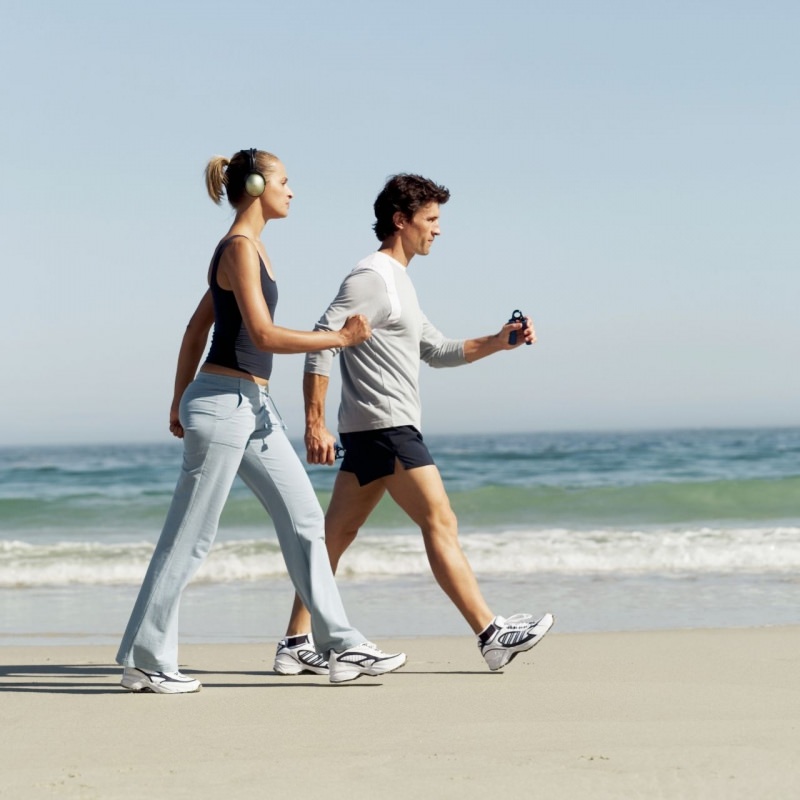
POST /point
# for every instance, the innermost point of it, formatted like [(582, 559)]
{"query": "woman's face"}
[(277, 194)]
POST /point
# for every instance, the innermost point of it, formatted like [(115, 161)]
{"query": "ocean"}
[(609, 531)]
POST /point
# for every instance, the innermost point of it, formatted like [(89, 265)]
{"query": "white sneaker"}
[(512, 636), (292, 659), (365, 659), (142, 680)]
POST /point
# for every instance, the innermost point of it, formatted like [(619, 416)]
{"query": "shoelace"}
[(519, 621)]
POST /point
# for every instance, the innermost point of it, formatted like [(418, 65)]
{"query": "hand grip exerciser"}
[(517, 316)]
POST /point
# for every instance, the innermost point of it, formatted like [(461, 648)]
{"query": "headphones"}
[(255, 182)]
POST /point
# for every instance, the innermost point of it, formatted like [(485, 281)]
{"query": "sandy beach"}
[(677, 714)]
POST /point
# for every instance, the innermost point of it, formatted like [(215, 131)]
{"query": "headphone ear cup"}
[(255, 184)]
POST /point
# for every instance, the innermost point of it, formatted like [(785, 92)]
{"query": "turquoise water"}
[(608, 530)]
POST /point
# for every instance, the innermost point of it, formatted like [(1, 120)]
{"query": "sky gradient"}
[(624, 172)]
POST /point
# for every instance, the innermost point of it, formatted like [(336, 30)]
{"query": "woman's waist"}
[(236, 374)]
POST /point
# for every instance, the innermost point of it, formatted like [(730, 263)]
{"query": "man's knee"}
[(338, 532), (441, 522)]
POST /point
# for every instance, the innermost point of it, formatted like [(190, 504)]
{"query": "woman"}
[(229, 426)]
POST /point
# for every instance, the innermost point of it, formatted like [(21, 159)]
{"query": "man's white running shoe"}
[(142, 680), (299, 656), (512, 636), (365, 659)]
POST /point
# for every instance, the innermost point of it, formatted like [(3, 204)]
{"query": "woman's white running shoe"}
[(143, 680), (364, 659)]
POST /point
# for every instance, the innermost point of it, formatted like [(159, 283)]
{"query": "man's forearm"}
[(488, 345), (320, 444), (315, 390), (483, 346)]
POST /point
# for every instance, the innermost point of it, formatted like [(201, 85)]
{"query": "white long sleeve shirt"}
[(380, 377)]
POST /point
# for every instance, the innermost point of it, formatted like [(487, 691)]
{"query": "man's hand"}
[(526, 334), (320, 445)]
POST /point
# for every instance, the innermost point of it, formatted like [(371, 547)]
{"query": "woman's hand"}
[(356, 330), (175, 427)]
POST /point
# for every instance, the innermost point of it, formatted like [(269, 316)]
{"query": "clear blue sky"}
[(624, 172)]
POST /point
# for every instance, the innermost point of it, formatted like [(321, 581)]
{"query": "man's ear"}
[(399, 219)]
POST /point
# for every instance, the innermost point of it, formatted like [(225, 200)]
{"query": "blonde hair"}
[(228, 175)]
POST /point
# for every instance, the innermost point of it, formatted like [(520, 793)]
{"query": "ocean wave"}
[(757, 550), (643, 504), (667, 502)]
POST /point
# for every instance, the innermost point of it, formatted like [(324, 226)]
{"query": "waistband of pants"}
[(231, 383)]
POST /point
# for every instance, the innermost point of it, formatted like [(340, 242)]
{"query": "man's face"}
[(419, 232)]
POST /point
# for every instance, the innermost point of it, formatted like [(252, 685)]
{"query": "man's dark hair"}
[(406, 194)]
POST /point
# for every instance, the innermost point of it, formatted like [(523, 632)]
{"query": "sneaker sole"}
[(345, 675), (296, 669), (145, 687)]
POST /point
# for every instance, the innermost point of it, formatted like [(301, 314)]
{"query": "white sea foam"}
[(761, 550)]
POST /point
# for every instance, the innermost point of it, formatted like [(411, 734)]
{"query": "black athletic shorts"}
[(372, 454)]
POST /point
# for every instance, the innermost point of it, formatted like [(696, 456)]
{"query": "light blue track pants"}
[(232, 426)]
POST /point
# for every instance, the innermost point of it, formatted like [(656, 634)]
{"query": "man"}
[(379, 420)]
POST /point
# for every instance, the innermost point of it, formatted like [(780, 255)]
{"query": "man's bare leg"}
[(348, 510), (421, 494)]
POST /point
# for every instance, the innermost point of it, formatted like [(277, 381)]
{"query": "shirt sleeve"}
[(362, 292), (438, 351)]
